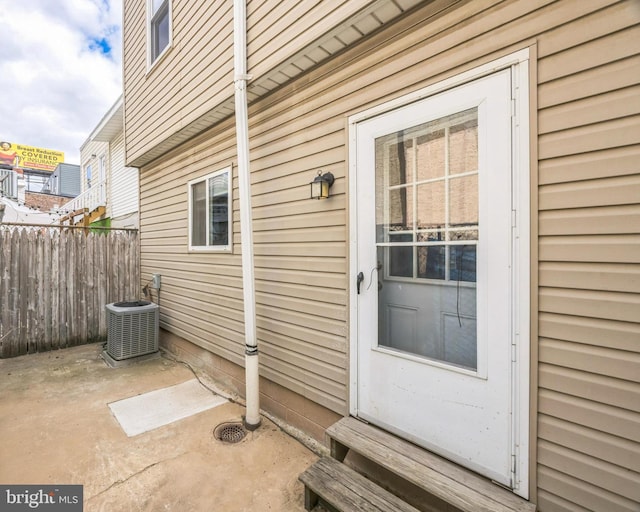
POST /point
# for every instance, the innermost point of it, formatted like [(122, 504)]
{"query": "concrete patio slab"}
[(56, 428), (160, 407)]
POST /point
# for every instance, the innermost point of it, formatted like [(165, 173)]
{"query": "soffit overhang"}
[(111, 125), (370, 19)]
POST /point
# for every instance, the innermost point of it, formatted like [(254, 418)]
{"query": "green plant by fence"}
[(56, 281)]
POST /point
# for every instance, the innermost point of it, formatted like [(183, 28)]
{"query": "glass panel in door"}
[(427, 231)]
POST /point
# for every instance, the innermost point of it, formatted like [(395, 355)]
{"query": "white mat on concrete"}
[(151, 410)]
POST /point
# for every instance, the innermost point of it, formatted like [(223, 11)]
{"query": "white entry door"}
[(434, 270)]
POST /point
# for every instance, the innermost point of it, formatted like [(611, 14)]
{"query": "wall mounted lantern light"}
[(321, 184)]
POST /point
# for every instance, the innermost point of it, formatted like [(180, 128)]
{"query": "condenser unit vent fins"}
[(132, 329)]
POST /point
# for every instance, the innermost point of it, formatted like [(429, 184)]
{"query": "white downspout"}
[(252, 418)]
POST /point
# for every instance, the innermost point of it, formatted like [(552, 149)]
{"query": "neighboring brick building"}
[(44, 202)]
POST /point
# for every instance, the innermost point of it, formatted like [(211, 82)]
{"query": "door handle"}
[(359, 280)]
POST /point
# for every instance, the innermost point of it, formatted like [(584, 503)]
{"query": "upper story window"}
[(210, 212), (159, 27)]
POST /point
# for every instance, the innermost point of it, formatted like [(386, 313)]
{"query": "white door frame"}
[(521, 214)]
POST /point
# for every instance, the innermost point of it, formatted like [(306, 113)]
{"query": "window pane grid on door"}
[(428, 179)]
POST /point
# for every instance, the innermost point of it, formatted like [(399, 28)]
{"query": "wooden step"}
[(455, 485), (346, 490), (97, 213)]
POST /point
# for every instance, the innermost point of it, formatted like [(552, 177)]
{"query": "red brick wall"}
[(43, 202)]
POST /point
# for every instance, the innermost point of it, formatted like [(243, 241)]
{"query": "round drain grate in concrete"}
[(230, 432)]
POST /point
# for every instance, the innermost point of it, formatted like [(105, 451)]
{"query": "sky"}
[(60, 70)]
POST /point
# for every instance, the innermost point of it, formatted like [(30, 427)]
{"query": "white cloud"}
[(56, 80)]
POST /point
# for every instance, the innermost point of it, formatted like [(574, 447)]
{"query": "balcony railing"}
[(91, 199)]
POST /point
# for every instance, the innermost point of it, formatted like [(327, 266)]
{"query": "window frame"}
[(228, 248), (88, 171), (448, 244), (152, 17)]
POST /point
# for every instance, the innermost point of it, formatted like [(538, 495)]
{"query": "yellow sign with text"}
[(29, 157)]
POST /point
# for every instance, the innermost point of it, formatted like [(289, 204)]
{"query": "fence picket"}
[(5, 292), (85, 276), (62, 289), (32, 330), (54, 293), (55, 283), (14, 296), (103, 271), (71, 299), (45, 288), (21, 291)]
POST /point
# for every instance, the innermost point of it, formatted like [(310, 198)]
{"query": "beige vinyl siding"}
[(278, 29), (194, 75), (202, 293), (588, 415), (191, 87), (589, 250)]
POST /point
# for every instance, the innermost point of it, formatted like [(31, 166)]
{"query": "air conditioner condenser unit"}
[(132, 329)]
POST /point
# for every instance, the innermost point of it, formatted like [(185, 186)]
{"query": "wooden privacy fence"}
[(56, 281)]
